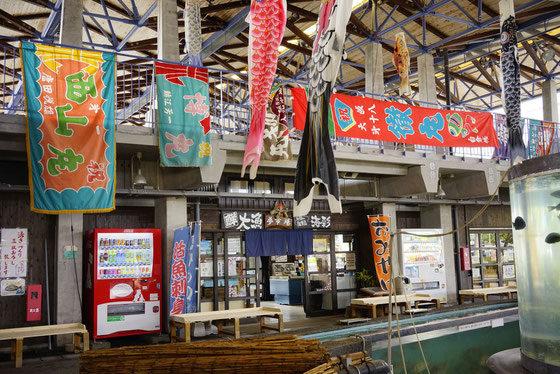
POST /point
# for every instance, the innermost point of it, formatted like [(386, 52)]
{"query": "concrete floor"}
[(37, 361)]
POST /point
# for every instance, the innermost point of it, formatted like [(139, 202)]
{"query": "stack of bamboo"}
[(276, 354), (335, 364)]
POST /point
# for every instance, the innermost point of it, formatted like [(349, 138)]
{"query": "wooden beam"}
[(486, 74), (540, 63), (429, 27), (226, 65), (226, 6), (471, 38), (300, 34), (27, 17), (525, 68), (485, 8), (17, 24)]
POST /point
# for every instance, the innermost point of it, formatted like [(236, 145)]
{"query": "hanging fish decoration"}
[(401, 61), (276, 138), (316, 163), (267, 20), (193, 38), (509, 60)]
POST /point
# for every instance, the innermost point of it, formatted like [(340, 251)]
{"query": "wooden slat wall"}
[(121, 218), (15, 212)]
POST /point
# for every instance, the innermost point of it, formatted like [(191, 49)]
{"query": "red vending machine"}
[(122, 282)]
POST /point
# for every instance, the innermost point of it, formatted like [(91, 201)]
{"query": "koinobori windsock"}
[(316, 163), (267, 20), (193, 38), (511, 89), (401, 61)]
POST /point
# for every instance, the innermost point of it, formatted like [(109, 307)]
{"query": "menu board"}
[(124, 255)]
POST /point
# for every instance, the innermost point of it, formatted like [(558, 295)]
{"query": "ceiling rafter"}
[(441, 86), (429, 27), (487, 75), (471, 80), (16, 24), (485, 8), (533, 54)]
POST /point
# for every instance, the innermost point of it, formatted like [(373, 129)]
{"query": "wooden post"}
[(173, 332), (280, 323), (19, 352), (76, 342), (262, 323), (236, 328), (85, 338)]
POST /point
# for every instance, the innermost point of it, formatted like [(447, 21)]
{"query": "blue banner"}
[(534, 126), (192, 269), (178, 277)]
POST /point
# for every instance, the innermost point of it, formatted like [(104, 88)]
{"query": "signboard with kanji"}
[(272, 222), (366, 118), (184, 115), (242, 220), (13, 253), (70, 99), (178, 281), (313, 221)]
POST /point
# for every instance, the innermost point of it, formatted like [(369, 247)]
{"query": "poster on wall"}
[(12, 287), (380, 236), (13, 253), (366, 118), (70, 99)]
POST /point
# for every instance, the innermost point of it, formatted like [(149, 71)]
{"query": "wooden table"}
[(18, 334), (183, 321), (483, 293), (370, 304)]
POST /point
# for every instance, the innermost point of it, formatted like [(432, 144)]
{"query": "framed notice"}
[(319, 245)]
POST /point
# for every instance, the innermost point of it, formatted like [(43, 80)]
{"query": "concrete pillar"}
[(426, 78), (170, 214), (374, 68), (68, 267), (550, 101), (68, 271), (440, 217), (168, 31), (71, 23)]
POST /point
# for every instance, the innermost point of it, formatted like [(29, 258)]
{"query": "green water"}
[(538, 265), (464, 352)]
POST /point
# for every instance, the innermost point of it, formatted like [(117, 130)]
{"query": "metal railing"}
[(136, 105)]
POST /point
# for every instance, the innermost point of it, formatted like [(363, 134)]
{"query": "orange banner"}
[(380, 236)]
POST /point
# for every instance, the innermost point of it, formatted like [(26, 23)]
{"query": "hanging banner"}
[(276, 137), (366, 118), (178, 277), (184, 115), (70, 99), (380, 236), (502, 131), (541, 135), (192, 270)]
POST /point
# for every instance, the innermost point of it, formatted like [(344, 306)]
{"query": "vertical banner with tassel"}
[(380, 236)]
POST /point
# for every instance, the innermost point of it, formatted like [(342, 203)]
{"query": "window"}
[(492, 258), (289, 188), (239, 186), (262, 187)]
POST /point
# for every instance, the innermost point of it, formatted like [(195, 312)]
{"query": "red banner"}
[(380, 236), (366, 118)]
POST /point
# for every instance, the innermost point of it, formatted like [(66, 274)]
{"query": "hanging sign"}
[(13, 253), (70, 98), (366, 118), (178, 281), (380, 236), (313, 221), (184, 115), (541, 135), (242, 220)]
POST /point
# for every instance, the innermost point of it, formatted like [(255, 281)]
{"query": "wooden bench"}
[(483, 293), (183, 321), (18, 334), (370, 304)]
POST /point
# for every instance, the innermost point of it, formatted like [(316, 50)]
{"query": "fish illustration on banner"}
[(267, 20), (366, 118), (316, 163), (380, 238), (70, 100), (193, 38), (184, 115), (276, 137), (179, 274), (541, 135), (401, 61), (509, 61)]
